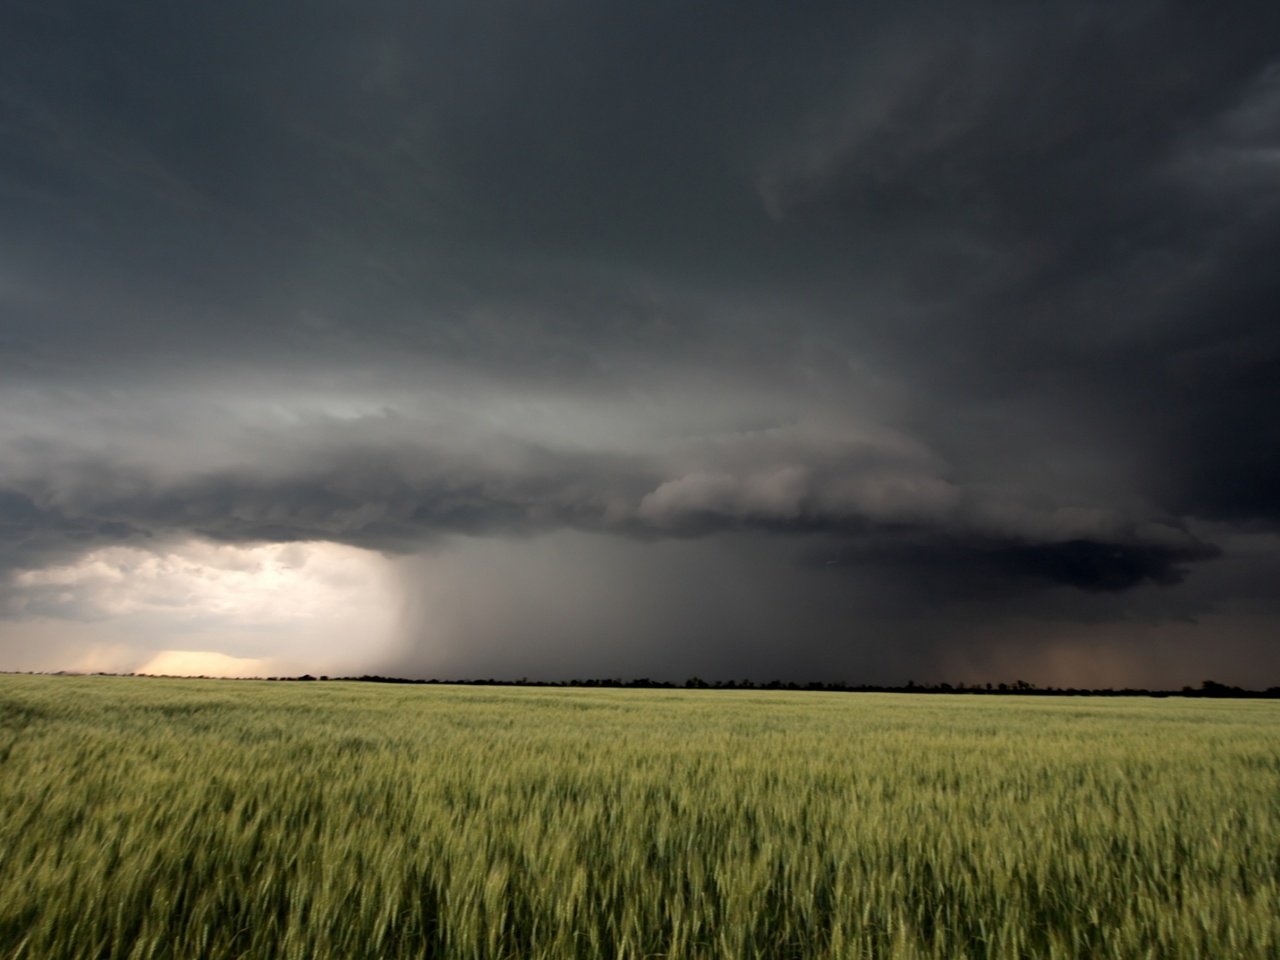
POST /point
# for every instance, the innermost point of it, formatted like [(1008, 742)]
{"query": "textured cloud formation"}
[(915, 341), (191, 606)]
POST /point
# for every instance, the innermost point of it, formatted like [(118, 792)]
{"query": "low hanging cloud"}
[(400, 497)]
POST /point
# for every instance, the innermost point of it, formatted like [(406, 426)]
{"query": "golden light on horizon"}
[(194, 608)]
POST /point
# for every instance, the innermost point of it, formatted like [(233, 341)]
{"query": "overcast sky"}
[(846, 341)]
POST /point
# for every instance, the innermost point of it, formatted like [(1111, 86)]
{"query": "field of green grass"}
[(184, 819)]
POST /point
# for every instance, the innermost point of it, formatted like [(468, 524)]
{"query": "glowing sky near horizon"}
[(199, 608)]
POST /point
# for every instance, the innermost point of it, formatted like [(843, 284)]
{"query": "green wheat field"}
[(148, 818)]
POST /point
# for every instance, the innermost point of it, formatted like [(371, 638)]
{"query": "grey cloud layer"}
[(376, 484)]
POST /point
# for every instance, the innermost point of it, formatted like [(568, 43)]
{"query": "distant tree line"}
[(1207, 688)]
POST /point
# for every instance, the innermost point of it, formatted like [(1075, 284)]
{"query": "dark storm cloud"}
[(990, 563), (975, 302), (31, 536), (372, 484), (1084, 197)]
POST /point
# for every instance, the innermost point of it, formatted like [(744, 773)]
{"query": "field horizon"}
[(1206, 688)]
